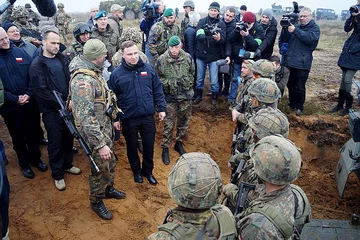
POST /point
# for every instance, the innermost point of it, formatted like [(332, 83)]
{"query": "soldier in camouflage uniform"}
[(29, 32), (160, 33), (81, 33), (62, 20), (114, 19), (7, 16), (194, 184), (106, 34), (129, 33), (176, 71), (189, 6), (277, 162), (91, 99), (33, 17)]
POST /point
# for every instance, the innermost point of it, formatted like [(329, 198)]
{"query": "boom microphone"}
[(46, 8)]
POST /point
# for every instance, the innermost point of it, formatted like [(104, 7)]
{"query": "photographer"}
[(269, 25), (153, 11), (349, 60), (210, 36), (247, 36), (303, 39)]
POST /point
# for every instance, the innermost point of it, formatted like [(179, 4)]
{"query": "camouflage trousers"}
[(180, 111), (63, 32), (105, 177)]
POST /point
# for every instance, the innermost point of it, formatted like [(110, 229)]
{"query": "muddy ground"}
[(39, 211)]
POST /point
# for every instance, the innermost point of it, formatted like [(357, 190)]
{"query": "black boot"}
[(165, 156), (101, 210), (179, 148), (348, 104), (341, 100), (214, 97), (111, 192), (198, 97)]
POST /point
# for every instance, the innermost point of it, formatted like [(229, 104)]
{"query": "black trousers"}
[(60, 144), (224, 79), (296, 86), (146, 127), (23, 125)]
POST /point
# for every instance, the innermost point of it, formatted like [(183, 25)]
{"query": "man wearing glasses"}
[(304, 38), (93, 11)]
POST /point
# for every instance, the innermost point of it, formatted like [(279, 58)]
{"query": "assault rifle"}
[(237, 174), (66, 116)]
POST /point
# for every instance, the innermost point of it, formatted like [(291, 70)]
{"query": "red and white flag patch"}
[(143, 74), (19, 60)]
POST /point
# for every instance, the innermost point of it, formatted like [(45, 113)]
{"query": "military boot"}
[(198, 97), (165, 156), (348, 104), (101, 210), (179, 148), (341, 100), (111, 192)]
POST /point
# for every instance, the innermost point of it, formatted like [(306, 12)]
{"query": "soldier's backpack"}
[(187, 231)]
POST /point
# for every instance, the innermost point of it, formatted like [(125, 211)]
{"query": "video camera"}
[(211, 29), (290, 18), (241, 26), (354, 9), (149, 9)]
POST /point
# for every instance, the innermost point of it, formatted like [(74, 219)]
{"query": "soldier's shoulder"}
[(257, 226), (160, 235)]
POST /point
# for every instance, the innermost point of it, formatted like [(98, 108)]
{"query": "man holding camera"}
[(303, 40), (210, 35), (247, 36)]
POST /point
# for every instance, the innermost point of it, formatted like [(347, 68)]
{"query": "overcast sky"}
[(202, 5)]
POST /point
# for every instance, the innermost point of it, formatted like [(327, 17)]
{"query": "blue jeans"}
[(201, 70), (2, 151), (147, 53), (234, 81)]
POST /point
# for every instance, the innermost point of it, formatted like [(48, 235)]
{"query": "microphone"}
[(46, 8), (221, 62)]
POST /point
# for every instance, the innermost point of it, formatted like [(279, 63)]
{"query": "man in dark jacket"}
[(247, 39), (93, 11), (281, 73), (139, 92), (49, 72), (304, 38), (229, 20), (19, 111), (210, 35), (269, 25)]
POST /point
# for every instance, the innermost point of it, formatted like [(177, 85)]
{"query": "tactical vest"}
[(177, 75), (60, 17), (224, 219), (166, 33), (306, 214)]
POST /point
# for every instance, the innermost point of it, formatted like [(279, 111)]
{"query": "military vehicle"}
[(345, 14), (288, 10), (132, 7), (277, 9), (325, 14)]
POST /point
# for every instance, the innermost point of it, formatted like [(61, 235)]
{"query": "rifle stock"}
[(64, 114)]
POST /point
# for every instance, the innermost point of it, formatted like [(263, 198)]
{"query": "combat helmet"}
[(60, 5), (195, 181), (19, 12), (81, 28), (269, 121), (265, 90), (276, 160), (189, 3), (131, 33), (27, 5), (264, 68)]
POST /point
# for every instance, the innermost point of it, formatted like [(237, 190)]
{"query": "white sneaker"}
[(60, 184), (73, 170)]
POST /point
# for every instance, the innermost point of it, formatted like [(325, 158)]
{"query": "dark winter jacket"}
[(138, 90), (207, 49), (145, 25), (270, 32), (249, 43), (226, 48), (14, 69), (282, 78), (350, 55), (302, 43), (44, 82), (190, 41)]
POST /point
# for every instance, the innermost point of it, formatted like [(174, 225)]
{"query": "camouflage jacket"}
[(245, 84), (176, 75), (220, 226), (184, 25), (109, 38), (34, 18), (62, 18), (75, 49), (89, 103), (159, 36), (30, 32), (114, 23), (116, 59), (258, 226)]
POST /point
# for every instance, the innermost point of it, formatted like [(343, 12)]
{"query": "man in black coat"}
[(269, 25), (304, 38)]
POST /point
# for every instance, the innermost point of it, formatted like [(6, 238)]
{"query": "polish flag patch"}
[(19, 60), (143, 74)]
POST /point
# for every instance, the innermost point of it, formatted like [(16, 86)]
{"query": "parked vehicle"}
[(325, 14)]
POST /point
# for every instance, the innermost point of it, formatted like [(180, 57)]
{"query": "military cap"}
[(116, 7), (174, 41), (168, 12), (27, 5), (100, 15)]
